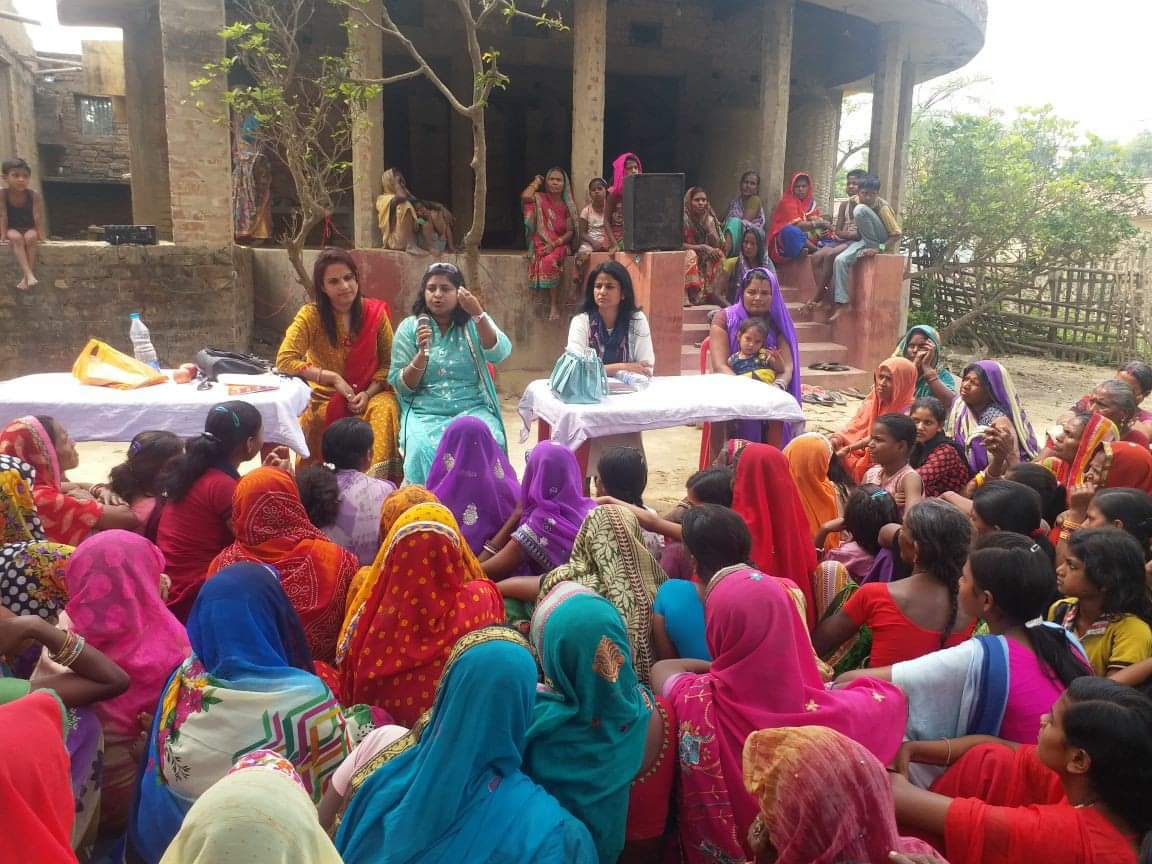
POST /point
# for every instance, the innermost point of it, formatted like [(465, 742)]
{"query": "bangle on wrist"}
[(480, 317), (488, 548), (69, 651), (948, 758)]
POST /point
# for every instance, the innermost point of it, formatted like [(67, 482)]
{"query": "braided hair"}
[(942, 535)]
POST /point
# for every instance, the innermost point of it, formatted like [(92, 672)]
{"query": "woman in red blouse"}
[(1080, 796)]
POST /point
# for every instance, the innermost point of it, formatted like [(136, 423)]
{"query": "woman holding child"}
[(759, 297), (341, 344)]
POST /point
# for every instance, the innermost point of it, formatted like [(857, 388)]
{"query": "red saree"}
[(426, 591), (362, 361), (790, 210), (66, 519), (1126, 465), (272, 528), (766, 496)]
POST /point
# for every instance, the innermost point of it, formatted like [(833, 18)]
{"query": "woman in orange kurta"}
[(341, 344), (272, 527), (427, 590)]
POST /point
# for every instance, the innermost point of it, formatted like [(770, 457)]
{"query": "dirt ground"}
[(1046, 387)]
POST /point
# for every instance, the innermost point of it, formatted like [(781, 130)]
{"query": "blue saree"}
[(451, 790)]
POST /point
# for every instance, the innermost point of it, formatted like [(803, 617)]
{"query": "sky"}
[(1092, 67)]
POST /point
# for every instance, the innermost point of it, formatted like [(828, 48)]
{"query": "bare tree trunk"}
[(294, 245), (479, 198)]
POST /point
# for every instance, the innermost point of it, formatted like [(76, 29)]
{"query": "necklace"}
[(1091, 803)]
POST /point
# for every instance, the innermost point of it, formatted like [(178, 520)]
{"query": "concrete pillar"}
[(895, 188), (366, 44), (813, 133), (460, 142), (199, 151), (147, 135), (887, 87), (775, 89), (589, 56)]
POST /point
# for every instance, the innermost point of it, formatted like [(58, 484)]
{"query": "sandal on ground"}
[(854, 393)]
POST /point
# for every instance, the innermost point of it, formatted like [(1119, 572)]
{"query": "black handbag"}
[(214, 362)]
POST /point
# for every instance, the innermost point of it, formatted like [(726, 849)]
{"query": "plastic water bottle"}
[(634, 379), (142, 342)]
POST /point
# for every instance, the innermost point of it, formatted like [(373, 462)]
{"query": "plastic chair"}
[(706, 434)]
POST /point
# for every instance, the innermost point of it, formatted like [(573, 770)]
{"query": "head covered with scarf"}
[(823, 797), (586, 741), (271, 526), (619, 172), (472, 477), (452, 788), (250, 672), (31, 568), (932, 335), (428, 590), (115, 604), (781, 330), (809, 457), (554, 506), (65, 519), (962, 424), (763, 676), (609, 557), (764, 493)]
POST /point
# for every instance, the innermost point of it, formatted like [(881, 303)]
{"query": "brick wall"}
[(65, 152), (189, 297)]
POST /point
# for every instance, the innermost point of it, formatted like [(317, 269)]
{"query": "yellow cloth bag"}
[(103, 366)]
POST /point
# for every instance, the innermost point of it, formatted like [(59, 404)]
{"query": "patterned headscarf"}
[(31, 568), (554, 505), (609, 557), (428, 590), (586, 741), (823, 797), (272, 527), (962, 423), (473, 478)]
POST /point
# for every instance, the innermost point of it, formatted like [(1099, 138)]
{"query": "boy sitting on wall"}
[(21, 218)]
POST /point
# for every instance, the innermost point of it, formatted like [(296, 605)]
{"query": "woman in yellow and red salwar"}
[(341, 344)]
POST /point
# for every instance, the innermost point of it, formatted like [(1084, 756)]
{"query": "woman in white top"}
[(618, 332), (611, 324)]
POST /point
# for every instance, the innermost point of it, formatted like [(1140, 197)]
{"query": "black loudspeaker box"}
[(653, 212), (136, 235)]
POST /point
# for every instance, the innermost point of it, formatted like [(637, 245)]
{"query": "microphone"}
[(424, 321)]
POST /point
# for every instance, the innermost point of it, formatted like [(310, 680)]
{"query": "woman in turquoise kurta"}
[(452, 789), (440, 357)]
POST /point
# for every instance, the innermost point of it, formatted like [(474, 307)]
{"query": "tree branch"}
[(387, 26), (391, 79)]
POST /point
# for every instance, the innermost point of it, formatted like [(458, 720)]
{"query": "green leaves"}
[(1031, 191)]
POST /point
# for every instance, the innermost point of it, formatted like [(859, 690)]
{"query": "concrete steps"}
[(815, 338)]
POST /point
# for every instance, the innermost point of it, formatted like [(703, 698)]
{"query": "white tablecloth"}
[(103, 414), (666, 402)]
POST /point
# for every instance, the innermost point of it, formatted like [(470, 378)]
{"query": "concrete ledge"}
[(189, 297)]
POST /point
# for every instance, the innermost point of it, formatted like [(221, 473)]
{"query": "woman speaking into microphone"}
[(440, 357)]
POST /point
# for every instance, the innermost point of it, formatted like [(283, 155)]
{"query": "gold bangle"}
[(948, 758), (69, 651)]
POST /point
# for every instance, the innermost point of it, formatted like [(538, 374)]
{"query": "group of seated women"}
[(935, 645), (720, 251)]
